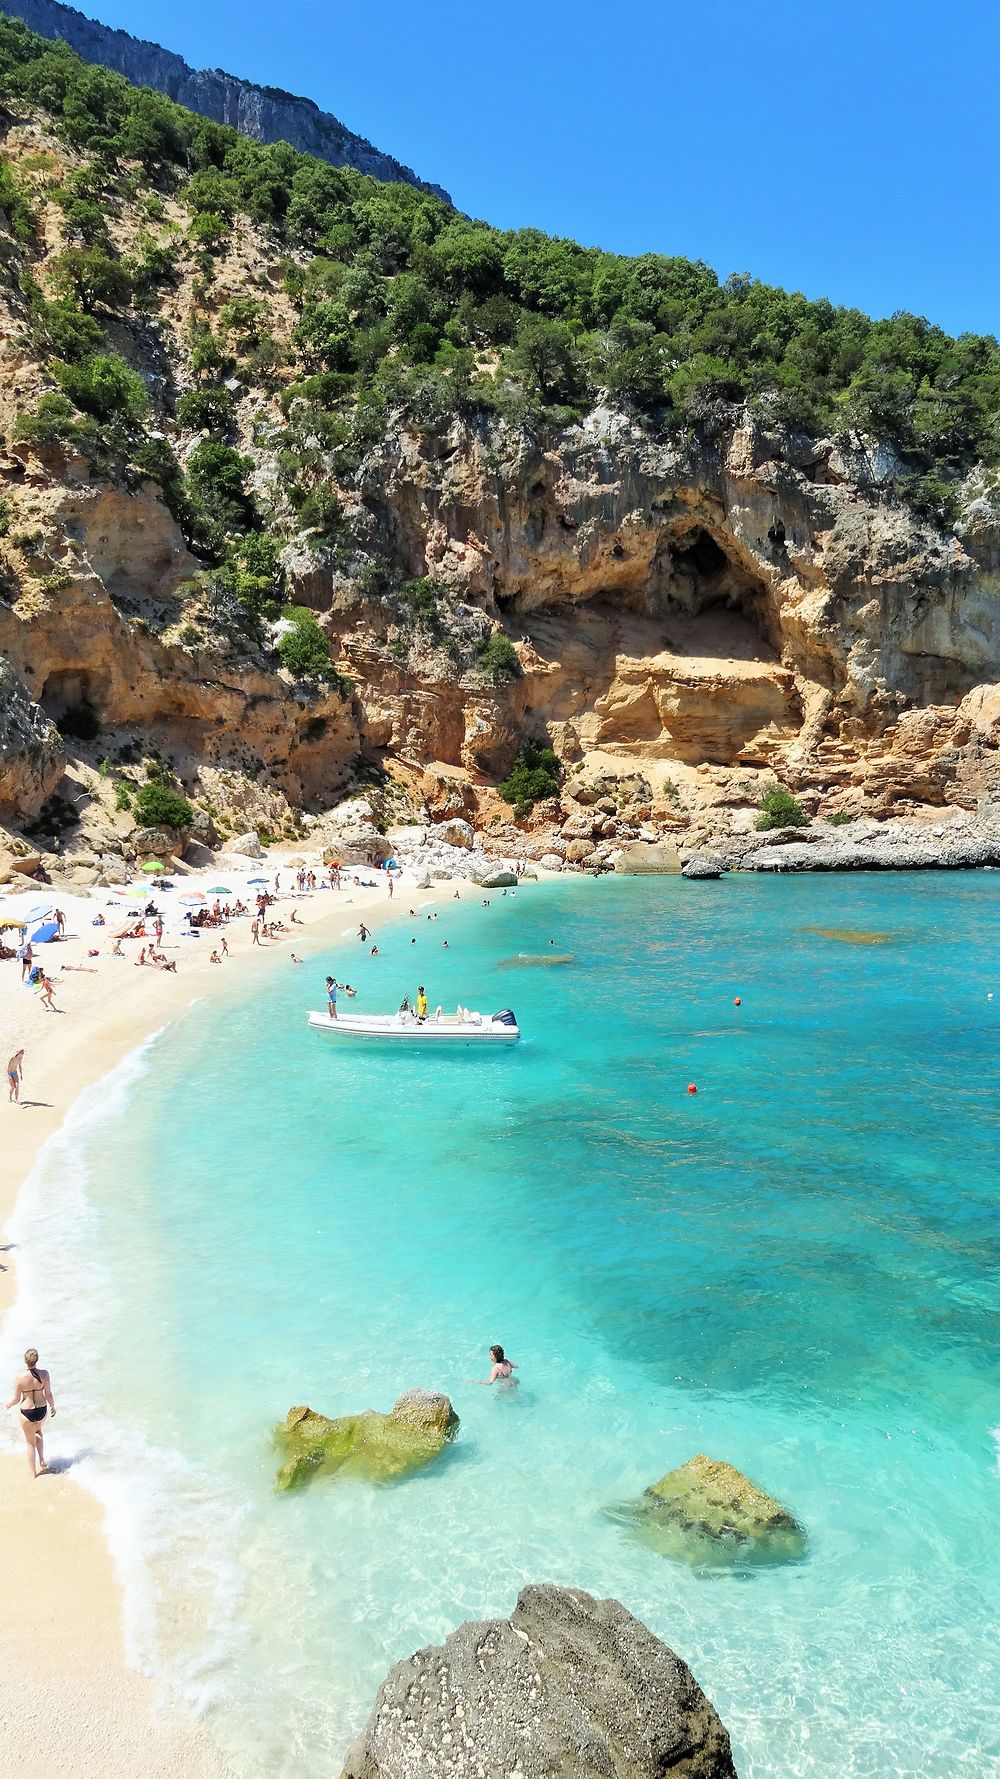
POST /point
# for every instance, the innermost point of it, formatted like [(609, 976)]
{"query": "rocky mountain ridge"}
[(266, 114)]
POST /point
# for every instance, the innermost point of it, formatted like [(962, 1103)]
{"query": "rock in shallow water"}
[(568, 1687), (706, 1512), (699, 865), (377, 1448)]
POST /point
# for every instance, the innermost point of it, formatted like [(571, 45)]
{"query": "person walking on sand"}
[(25, 954), (502, 1372), (61, 923), (15, 1074), (47, 1001), (331, 997), (33, 1396)]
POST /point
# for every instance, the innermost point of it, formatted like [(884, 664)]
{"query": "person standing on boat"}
[(331, 997), (421, 1002)]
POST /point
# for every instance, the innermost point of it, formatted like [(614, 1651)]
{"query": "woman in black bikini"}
[(33, 1396)]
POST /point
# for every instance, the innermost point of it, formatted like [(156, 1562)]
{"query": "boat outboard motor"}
[(504, 1017)]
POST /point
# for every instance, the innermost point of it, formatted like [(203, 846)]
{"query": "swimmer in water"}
[(502, 1372)]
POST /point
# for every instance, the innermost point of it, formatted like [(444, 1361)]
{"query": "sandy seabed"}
[(70, 1706)]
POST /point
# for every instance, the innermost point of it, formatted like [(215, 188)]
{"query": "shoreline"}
[(64, 1612)]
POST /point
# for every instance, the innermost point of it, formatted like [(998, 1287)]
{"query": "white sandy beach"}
[(69, 1704)]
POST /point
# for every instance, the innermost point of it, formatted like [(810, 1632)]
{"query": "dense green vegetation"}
[(779, 809), (533, 777), (407, 309), (156, 805), (304, 649)]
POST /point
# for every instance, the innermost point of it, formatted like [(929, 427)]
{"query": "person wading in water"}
[(33, 1396)]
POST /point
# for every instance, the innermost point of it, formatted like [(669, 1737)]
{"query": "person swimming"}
[(502, 1372)]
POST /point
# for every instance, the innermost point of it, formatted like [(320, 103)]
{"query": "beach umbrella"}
[(5, 925), (153, 865), (257, 880), (193, 896), (220, 889), (41, 911), (44, 933)]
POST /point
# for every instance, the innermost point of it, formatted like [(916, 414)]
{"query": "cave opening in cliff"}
[(723, 598), (68, 695)]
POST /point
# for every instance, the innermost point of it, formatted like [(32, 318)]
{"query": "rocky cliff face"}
[(265, 113), (691, 621)]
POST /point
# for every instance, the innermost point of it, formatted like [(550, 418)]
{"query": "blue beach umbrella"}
[(44, 933), (257, 880)]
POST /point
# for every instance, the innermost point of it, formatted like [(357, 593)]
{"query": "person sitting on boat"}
[(421, 1002), (404, 1005)]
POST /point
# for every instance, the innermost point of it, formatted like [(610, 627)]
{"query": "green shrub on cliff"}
[(779, 809), (105, 386), (533, 777), (496, 658), (156, 805), (304, 649)]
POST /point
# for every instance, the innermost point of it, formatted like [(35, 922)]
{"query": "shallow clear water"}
[(794, 1269)]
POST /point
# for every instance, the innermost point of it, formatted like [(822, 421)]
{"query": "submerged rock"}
[(376, 1447), (568, 1687), (706, 1513)]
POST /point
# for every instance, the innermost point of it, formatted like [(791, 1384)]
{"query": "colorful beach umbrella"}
[(193, 896), (152, 865), (220, 890), (5, 925)]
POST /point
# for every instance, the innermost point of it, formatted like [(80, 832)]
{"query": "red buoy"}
[(738, 1002), (691, 1087)]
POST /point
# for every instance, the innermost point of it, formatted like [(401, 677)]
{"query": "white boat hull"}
[(478, 1029)]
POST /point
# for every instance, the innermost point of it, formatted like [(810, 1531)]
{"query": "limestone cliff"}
[(692, 618), (265, 113)]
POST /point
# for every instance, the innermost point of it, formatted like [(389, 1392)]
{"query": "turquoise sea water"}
[(794, 1269)]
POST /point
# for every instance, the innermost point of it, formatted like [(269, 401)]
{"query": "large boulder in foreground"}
[(376, 1448), (568, 1687), (707, 1513)]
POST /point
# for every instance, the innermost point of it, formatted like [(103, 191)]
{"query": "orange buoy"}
[(691, 1087), (738, 1001)]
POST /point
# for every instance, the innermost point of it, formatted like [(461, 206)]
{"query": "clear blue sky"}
[(844, 149)]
